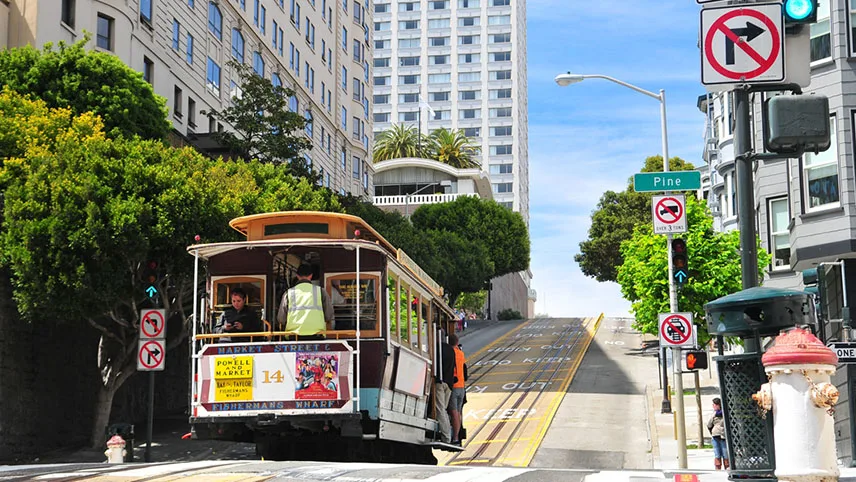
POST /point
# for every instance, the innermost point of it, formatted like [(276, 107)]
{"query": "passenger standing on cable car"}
[(459, 390), (305, 309)]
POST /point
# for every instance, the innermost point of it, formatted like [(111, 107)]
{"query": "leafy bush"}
[(509, 314)]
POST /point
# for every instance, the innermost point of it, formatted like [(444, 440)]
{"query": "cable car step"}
[(445, 447)]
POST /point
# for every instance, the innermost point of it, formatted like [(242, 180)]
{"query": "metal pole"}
[(745, 191), (680, 426), (698, 405), (358, 332), (673, 298), (150, 421)]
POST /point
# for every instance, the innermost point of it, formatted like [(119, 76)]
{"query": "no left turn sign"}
[(669, 213), (676, 329), (742, 44), (151, 356), (153, 324)]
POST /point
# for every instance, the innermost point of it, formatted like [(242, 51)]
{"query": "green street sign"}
[(667, 181)]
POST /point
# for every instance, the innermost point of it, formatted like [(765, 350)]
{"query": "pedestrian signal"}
[(697, 360), (679, 260)]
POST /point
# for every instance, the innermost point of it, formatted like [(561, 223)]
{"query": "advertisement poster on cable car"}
[(292, 377)]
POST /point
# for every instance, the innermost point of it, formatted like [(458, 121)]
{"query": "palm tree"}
[(453, 148), (396, 142)]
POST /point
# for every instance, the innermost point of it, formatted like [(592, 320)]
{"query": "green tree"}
[(264, 127), (714, 267), (400, 141), (453, 148), (613, 221), (83, 214), (87, 81), (472, 302), (502, 232)]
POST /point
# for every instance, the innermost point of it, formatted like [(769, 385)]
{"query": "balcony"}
[(418, 199)]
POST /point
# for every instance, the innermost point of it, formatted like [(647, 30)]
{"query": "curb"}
[(653, 433)]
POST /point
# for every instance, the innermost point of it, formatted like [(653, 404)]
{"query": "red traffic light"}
[(696, 360), (679, 246)]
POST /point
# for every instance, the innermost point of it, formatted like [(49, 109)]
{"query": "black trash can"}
[(126, 431), (750, 314)]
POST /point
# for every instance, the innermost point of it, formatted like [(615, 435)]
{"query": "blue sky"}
[(591, 137)]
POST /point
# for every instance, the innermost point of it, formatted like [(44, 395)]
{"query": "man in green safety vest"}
[(305, 309)]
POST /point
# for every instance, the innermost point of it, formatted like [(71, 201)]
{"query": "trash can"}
[(126, 431), (750, 315)]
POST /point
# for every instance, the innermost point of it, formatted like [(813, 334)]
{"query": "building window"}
[(439, 78), (821, 44), (355, 128), (502, 187), (148, 70), (469, 76), (821, 174), (502, 150), (500, 3), (852, 33), (344, 39), (500, 112), (276, 81), (176, 34), (408, 61), (215, 20), (468, 39), (442, 115), (146, 12), (263, 20), (500, 75), (384, 62), (499, 20), (469, 114), (780, 243), (432, 42), (177, 102), (439, 23), (472, 131), (213, 77), (500, 56), (343, 159), (355, 167), (500, 168), (408, 116), (439, 4), (293, 105), (438, 59), (381, 116), (411, 43), (191, 112), (344, 119), (469, 22), (189, 56), (381, 99), (408, 79), (381, 8), (500, 38), (408, 98), (258, 64), (308, 116), (468, 3), (408, 25), (469, 58), (68, 7), (238, 45), (408, 6), (500, 93), (504, 131), (469, 95), (104, 36)]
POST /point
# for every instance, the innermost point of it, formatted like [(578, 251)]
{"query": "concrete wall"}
[(509, 291), (4, 23)]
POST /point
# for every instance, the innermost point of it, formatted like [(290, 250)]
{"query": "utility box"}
[(794, 123)]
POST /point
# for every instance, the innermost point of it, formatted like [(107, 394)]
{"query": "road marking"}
[(554, 405), (481, 442)]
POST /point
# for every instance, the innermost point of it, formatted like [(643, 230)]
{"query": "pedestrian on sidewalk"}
[(716, 425)]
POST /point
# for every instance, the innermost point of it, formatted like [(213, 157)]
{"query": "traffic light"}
[(150, 278), (679, 260), (800, 11), (696, 360), (795, 123)]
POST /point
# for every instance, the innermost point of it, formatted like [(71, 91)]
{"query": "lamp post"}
[(445, 183), (565, 80)]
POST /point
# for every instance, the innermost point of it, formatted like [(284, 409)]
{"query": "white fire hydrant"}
[(802, 400), (115, 450)]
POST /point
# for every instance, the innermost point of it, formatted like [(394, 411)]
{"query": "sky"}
[(591, 137)]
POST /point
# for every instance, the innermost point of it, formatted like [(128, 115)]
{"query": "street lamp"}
[(567, 79), (445, 183)]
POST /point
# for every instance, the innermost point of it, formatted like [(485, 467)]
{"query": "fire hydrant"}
[(115, 450), (802, 400)]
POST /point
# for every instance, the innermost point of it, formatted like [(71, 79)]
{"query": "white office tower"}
[(458, 64)]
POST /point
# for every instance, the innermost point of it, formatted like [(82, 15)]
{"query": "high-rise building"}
[(458, 64), (319, 48)]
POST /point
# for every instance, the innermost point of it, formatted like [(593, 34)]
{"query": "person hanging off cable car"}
[(305, 308)]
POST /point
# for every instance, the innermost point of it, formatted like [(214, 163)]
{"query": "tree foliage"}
[(264, 126), (397, 142), (714, 268), (83, 213), (472, 302), (613, 221), (69, 76), (453, 148)]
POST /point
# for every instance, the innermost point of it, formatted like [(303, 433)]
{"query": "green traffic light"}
[(799, 10)]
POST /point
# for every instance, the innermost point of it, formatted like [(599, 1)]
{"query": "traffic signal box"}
[(696, 360), (679, 260)]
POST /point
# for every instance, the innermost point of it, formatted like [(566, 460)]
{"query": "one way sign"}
[(742, 45), (846, 351)]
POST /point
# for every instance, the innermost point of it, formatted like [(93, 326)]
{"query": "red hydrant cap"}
[(798, 346), (116, 441)]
